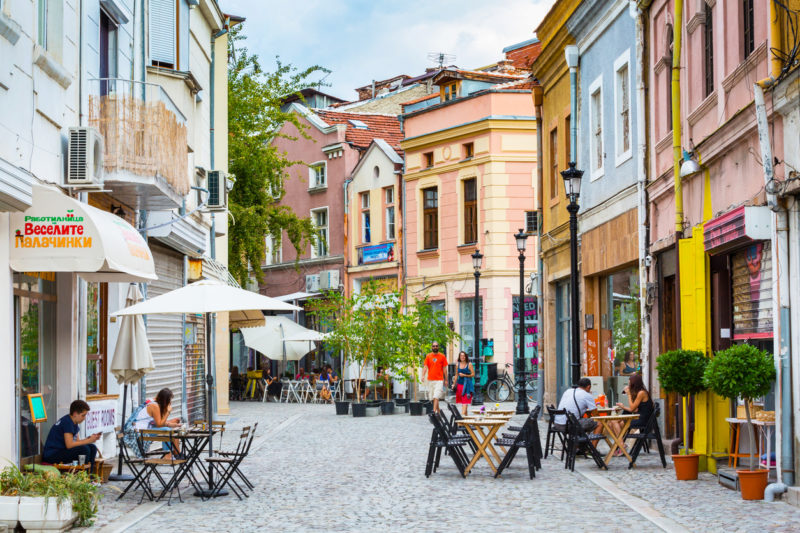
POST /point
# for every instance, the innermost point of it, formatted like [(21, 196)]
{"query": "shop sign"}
[(101, 417), (531, 332), (752, 292), (592, 352), (378, 253), (62, 230), (743, 224)]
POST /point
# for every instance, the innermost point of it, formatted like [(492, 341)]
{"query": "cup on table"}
[(74, 463), (81, 459)]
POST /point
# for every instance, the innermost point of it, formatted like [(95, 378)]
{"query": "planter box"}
[(359, 410), (387, 408), (9, 511), (416, 408), (44, 514), (342, 408)]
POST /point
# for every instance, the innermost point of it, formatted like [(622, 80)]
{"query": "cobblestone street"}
[(315, 471)]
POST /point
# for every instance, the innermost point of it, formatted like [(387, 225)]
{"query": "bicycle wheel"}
[(531, 388), (498, 391)]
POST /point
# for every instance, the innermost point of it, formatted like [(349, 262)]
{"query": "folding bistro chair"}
[(218, 425), (151, 464), (527, 438), (649, 432), (440, 438), (460, 430), (135, 465), (553, 432), (226, 465), (577, 438)]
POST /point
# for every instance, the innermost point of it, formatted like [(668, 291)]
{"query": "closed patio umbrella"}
[(211, 296), (132, 358)]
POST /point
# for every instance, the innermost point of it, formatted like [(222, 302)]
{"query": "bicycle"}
[(501, 389)]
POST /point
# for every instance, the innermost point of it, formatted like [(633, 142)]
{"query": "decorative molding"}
[(664, 143), (9, 29), (428, 254), (705, 106), (745, 67), (699, 19), (661, 64), (467, 249), (51, 67)]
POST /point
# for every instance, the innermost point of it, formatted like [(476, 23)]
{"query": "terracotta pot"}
[(686, 466), (752, 483)]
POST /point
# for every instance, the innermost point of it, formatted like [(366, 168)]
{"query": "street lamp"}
[(572, 186), (477, 397), (522, 394)]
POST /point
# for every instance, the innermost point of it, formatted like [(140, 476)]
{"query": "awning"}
[(60, 234), (739, 226), (298, 296)]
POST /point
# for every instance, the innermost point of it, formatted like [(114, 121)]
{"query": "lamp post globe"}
[(477, 260), (572, 186), (520, 371)]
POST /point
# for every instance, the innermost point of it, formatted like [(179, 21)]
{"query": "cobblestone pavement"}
[(315, 471)]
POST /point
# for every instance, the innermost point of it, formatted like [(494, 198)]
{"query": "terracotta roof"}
[(418, 100), (386, 127), (516, 85)]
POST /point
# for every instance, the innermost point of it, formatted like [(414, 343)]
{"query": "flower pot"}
[(416, 408), (686, 466), (752, 483), (342, 408), (387, 408), (9, 511), (401, 401), (359, 410), (44, 514), (428, 407)]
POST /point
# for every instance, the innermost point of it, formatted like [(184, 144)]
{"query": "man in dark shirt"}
[(63, 445)]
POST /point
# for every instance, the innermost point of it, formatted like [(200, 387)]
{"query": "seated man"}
[(62, 445), (578, 401)]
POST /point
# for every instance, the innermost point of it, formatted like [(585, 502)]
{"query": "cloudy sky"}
[(361, 40)]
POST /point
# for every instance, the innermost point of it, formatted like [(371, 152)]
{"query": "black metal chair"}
[(578, 439), (553, 432), (441, 438), (152, 464), (459, 430), (527, 438), (226, 465), (649, 432), (136, 466)]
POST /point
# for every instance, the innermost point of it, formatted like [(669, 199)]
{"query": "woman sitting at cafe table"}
[(154, 414), (639, 402), (63, 445)]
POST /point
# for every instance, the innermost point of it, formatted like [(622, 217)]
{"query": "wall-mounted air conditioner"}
[(312, 282), (84, 157), (217, 190)]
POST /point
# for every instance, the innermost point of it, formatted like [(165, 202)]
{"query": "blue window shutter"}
[(162, 31)]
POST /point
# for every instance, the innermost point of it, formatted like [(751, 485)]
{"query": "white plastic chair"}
[(286, 391)]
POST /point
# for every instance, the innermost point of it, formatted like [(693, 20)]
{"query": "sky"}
[(361, 40)]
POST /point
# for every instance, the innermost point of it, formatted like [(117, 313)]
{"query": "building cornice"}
[(475, 161), (489, 123)]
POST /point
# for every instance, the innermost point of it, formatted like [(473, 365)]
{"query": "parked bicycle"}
[(504, 387)]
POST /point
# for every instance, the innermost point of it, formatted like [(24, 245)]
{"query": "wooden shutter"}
[(162, 32)]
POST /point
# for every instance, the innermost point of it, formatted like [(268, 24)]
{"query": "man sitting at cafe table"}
[(63, 445), (578, 401)]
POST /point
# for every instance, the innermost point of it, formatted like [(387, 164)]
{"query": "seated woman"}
[(301, 374), (274, 384), (63, 445), (154, 414), (323, 385), (628, 367), (640, 402)]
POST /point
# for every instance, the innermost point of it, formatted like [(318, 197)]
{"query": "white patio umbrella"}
[(307, 335), (272, 339), (211, 296), (132, 358)]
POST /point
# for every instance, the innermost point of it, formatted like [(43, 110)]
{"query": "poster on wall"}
[(752, 292), (531, 333), (376, 254)]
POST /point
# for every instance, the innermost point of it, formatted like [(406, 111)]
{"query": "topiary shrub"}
[(682, 371), (741, 371)]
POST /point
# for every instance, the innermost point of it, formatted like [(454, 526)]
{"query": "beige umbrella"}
[(132, 358)]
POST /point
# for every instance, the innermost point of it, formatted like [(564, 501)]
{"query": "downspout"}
[(676, 119), (143, 212), (345, 277), (403, 221), (641, 190), (81, 68), (537, 102), (780, 304)]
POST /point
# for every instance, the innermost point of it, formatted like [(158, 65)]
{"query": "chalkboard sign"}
[(38, 411)]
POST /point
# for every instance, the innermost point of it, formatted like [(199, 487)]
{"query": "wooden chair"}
[(151, 464), (218, 425), (528, 438), (440, 438), (135, 465), (553, 432), (577, 438), (649, 432), (227, 463)]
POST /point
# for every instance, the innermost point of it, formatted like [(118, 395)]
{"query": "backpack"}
[(129, 431)]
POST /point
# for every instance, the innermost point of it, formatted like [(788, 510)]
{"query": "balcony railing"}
[(144, 136)]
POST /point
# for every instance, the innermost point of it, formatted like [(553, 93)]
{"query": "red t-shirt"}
[(436, 363)]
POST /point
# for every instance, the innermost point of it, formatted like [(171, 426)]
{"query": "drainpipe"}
[(572, 54), (676, 119), (81, 67), (403, 221), (345, 277), (537, 102), (780, 304), (641, 190)]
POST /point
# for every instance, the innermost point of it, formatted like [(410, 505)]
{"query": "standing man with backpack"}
[(435, 375)]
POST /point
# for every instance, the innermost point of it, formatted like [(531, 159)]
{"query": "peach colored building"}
[(470, 183)]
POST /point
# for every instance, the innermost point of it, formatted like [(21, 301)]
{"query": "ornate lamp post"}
[(572, 186), (477, 398), (522, 394)]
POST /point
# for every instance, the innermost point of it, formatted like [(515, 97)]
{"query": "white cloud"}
[(362, 40)]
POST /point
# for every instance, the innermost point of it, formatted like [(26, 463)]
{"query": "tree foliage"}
[(257, 167), (682, 371)]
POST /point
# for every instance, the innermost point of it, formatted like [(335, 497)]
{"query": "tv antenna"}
[(441, 58)]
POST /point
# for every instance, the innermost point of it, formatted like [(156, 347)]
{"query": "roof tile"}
[(386, 127)]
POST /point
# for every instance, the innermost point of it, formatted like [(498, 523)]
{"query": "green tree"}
[(257, 167), (682, 371)]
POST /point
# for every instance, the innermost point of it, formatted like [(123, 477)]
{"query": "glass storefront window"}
[(467, 322), (35, 345), (620, 321), (96, 352), (531, 334)]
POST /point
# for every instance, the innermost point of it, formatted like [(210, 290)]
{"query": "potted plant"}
[(744, 371), (682, 371)]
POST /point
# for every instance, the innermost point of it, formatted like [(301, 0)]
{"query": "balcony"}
[(145, 154)]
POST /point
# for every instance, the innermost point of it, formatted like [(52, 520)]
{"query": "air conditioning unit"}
[(312, 282), (329, 280), (84, 157), (217, 190)]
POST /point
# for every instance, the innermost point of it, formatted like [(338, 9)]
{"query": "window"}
[(748, 27), (163, 33), (108, 47), (531, 222), (274, 252), (622, 105), (469, 150), (388, 196), (317, 175), (365, 218), (668, 76), (320, 219), (49, 26), (449, 91), (430, 214), (376, 172), (96, 344), (466, 322), (470, 211), (708, 50), (42, 24), (554, 163), (596, 128), (428, 159)]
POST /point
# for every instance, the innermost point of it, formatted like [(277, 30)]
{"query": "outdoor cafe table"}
[(482, 439), (613, 438), (193, 444), (494, 412)]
